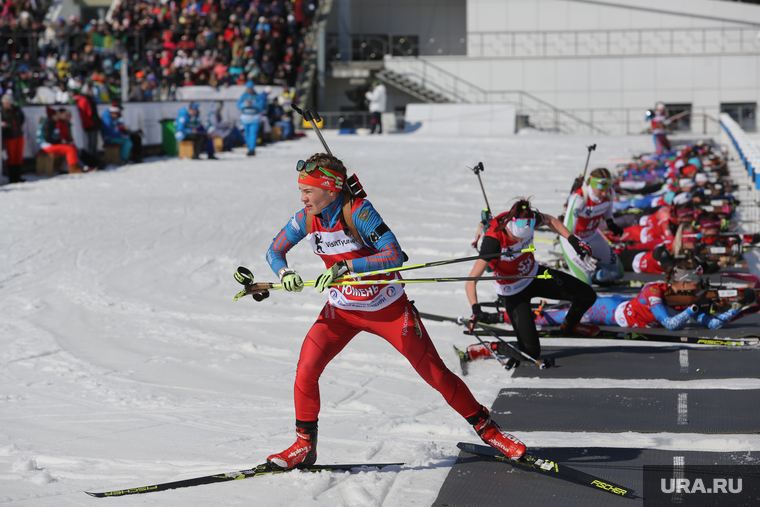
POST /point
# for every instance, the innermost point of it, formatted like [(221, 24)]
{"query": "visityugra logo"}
[(717, 485)]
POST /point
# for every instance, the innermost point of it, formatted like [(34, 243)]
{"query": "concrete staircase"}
[(414, 89)]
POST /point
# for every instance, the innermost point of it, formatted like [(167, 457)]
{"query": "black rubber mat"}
[(474, 481), (621, 410), (626, 362)]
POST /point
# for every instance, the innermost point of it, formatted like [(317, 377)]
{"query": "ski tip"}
[(96, 495)]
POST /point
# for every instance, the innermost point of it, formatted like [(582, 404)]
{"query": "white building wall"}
[(545, 15), (662, 50)]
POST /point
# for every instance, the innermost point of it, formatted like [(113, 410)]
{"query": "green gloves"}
[(325, 279), (290, 280)]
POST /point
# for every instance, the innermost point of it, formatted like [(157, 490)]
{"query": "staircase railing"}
[(542, 115)]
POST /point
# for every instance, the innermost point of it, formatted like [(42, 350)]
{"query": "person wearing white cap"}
[(659, 122), (113, 133), (701, 179)]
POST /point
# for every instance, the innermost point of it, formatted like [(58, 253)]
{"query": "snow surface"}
[(124, 360)]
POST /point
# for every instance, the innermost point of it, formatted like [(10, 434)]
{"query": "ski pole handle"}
[(477, 170), (310, 115)]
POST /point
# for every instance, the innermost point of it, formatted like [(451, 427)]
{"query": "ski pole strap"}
[(244, 275)]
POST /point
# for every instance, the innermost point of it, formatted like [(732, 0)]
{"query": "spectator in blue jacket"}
[(113, 132), (250, 116), (188, 128)]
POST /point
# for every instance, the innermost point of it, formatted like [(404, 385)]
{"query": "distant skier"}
[(356, 240), (659, 122)]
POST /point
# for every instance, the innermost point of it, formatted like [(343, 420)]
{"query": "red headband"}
[(322, 180)]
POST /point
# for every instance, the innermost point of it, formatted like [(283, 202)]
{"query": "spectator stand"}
[(142, 115)]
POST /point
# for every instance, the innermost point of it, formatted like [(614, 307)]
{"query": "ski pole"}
[(312, 117), (529, 249), (540, 364), (258, 288), (493, 354), (578, 183), (477, 170)]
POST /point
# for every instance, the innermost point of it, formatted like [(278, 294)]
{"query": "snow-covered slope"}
[(124, 360)]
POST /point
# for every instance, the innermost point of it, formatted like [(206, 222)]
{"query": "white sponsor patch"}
[(332, 243)]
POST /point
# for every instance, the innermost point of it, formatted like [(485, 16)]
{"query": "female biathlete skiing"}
[(586, 207), (351, 238), (510, 233), (647, 310)]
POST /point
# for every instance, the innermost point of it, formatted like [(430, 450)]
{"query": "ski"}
[(550, 467), (614, 333), (257, 471), (463, 360), (610, 333)]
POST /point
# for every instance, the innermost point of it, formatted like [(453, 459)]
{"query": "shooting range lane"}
[(625, 362), (674, 410), (475, 481)]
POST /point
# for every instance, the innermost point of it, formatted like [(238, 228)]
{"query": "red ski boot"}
[(480, 351), (491, 434), (302, 453), (581, 329)]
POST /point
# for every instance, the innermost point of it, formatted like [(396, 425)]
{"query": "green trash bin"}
[(168, 141)]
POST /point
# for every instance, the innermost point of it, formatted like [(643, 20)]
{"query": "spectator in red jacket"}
[(13, 138), (88, 113)]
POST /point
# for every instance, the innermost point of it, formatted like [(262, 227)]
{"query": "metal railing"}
[(616, 121), (544, 115), (629, 42)]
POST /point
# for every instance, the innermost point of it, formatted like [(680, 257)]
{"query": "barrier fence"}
[(748, 180)]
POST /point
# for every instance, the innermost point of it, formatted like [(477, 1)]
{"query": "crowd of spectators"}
[(167, 44)]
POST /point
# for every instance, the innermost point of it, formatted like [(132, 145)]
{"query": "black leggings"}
[(560, 286), (626, 257)]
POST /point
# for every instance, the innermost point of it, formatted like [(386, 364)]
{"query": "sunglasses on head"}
[(524, 222), (310, 167), (600, 183)]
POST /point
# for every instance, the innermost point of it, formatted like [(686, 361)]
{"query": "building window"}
[(681, 114), (742, 113)]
